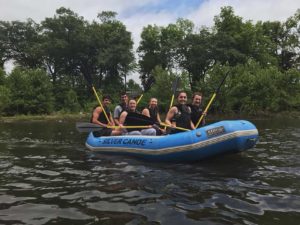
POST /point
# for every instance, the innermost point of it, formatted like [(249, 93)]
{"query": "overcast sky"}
[(136, 14)]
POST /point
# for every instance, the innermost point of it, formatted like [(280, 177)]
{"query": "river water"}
[(47, 176)]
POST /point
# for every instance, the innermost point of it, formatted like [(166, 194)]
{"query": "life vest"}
[(131, 123), (153, 113), (196, 114), (101, 118), (124, 107), (182, 117)]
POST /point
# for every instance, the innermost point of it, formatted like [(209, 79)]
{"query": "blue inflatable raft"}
[(214, 139)]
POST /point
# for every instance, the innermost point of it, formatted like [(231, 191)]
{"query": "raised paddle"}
[(174, 88), (147, 88), (211, 100), (97, 97)]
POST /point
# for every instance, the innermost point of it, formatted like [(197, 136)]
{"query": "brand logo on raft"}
[(215, 131), (125, 141)]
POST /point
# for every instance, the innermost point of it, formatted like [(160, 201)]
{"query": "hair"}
[(152, 98), (123, 93), (106, 97), (196, 93), (132, 99), (180, 92)]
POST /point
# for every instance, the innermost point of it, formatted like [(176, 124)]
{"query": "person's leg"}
[(135, 132), (149, 131)]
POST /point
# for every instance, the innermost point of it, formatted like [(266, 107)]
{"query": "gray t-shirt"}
[(117, 112)]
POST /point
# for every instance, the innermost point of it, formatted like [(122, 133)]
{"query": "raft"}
[(212, 140)]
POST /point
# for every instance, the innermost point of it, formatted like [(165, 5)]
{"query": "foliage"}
[(251, 89), (31, 92), (2, 76), (71, 103), (5, 98), (60, 58)]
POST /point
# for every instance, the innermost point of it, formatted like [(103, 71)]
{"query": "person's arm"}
[(170, 115), (122, 118), (203, 119), (117, 115), (146, 112), (192, 125), (158, 118), (96, 114), (112, 123)]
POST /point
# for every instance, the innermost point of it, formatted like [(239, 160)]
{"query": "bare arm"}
[(122, 118), (170, 115), (146, 112), (192, 126), (117, 115), (158, 118), (112, 123), (96, 114)]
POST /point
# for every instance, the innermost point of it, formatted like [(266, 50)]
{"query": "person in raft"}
[(196, 108), (180, 115), (98, 117), (134, 131), (152, 111), (122, 106)]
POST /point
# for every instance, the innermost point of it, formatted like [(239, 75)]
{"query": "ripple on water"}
[(279, 202), (39, 214), (9, 199)]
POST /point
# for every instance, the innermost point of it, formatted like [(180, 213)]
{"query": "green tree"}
[(4, 43), (5, 98), (71, 103), (149, 52), (31, 92), (23, 43), (285, 37), (197, 55)]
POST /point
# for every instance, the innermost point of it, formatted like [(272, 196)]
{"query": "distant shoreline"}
[(85, 116)]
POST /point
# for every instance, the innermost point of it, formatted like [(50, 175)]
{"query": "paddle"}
[(133, 119), (148, 85), (97, 97), (174, 88), (89, 127), (211, 100)]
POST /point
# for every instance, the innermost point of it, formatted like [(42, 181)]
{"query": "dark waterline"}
[(48, 177)]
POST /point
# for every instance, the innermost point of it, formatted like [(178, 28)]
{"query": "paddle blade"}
[(134, 119), (149, 84), (87, 127), (175, 85)]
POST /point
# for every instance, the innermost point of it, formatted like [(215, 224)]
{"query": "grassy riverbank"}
[(54, 116)]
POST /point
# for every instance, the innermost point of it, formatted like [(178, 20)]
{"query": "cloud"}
[(39, 9), (254, 10)]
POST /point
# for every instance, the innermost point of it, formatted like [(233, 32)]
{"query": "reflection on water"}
[(48, 177)]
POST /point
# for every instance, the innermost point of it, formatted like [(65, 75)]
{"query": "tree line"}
[(59, 58)]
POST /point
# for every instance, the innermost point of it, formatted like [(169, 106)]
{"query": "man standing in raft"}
[(99, 117), (180, 115)]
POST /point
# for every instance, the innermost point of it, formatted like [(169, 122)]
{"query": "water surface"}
[(47, 176)]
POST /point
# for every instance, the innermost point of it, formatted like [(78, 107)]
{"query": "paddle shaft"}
[(89, 127), (211, 100), (95, 92)]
